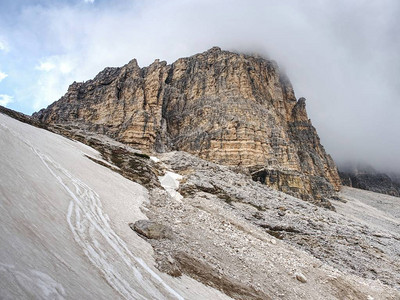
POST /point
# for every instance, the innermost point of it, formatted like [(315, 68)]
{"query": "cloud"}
[(5, 99), (88, 1), (65, 67), (3, 45), (59, 63), (2, 75), (45, 66), (341, 55), (57, 72)]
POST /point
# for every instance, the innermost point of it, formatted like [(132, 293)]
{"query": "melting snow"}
[(36, 283), (170, 182), (104, 248), (155, 159)]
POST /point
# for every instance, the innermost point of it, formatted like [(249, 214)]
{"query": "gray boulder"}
[(151, 230)]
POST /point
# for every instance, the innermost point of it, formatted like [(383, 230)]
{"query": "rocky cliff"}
[(367, 178), (228, 108)]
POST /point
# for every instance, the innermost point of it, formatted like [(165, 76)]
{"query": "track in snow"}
[(127, 274)]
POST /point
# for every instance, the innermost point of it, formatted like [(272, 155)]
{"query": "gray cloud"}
[(341, 55)]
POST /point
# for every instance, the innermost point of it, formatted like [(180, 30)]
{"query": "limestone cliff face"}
[(225, 107)]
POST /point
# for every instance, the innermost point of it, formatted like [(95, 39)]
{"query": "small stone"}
[(273, 242), (170, 259), (258, 215), (300, 277)]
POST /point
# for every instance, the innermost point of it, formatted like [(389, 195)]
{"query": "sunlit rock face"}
[(225, 107)]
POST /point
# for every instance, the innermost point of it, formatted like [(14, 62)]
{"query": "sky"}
[(342, 56)]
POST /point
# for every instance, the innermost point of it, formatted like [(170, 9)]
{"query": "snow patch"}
[(35, 283), (155, 159), (103, 247), (170, 182)]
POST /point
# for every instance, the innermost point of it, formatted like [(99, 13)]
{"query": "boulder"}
[(151, 230)]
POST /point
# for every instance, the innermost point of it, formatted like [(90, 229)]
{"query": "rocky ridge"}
[(228, 108), (367, 178)]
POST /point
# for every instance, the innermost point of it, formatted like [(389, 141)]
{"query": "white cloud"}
[(58, 71), (49, 88), (2, 75), (3, 45), (88, 1), (5, 99), (45, 66), (56, 63), (65, 67)]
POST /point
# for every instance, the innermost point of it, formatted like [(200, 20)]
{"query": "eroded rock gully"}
[(228, 108)]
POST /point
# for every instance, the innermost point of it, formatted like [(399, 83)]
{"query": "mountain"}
[(366, 177), (228, 108), (161, 183), (200, 230)]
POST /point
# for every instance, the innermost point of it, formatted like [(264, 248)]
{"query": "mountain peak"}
[(214, 49), (225, 107)]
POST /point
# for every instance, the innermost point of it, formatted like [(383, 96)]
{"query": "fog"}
[(342, 56)]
